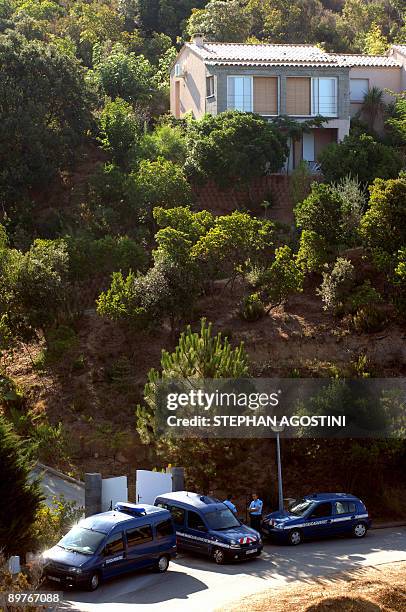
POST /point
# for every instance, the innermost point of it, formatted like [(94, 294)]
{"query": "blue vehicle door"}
[(114, 555), (320, 521), (197, 533), (141, 547), (344, 516), (179, 519), (164, 534)]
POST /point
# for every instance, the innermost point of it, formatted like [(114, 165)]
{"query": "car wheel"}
[(219, 556), (94, 582), (162, 564), (295, 537), (359, 530)]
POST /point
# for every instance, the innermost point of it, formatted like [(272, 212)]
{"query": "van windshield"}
[(221, 519), (82, 540)]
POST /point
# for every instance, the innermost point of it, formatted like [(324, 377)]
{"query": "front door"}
[(197, 533), (344, 516), (114, 561), (319, 522)]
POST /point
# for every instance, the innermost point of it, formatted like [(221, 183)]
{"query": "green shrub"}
[(336, 285), (369, 318), (353, 203), (300, 182), (320, 212), (283, 277), (120, 131), (53, 522), (362, 296), (313, 252), (359, 155), (252, 307)]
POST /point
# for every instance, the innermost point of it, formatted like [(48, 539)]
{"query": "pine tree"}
[(19, 499)]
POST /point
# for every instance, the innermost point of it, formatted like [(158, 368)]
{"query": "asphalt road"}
[(196, 584)]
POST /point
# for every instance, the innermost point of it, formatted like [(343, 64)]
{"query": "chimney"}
[(198, 40)]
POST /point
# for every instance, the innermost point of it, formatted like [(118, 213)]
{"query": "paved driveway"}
[(197, 585)]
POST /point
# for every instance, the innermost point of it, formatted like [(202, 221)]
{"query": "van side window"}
[(164, 529), (194, 521), (178, 515), (321, 510), (114, 545), (139, 535)]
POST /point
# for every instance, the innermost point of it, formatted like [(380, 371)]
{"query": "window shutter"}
[(266, 95), (298, 96)]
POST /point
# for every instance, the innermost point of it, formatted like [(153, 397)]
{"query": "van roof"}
[(204, 503), (105, 521)]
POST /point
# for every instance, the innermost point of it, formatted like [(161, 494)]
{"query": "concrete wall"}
[(384, 78), (401, 57), (192, 85)]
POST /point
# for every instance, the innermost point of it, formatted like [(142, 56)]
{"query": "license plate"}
[(251, 552), (54, 578)]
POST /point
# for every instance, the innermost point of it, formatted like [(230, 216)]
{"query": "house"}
[(300, 81)]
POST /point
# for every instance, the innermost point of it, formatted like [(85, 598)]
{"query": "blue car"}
[(112, 543), (206, 526), (316, 516)]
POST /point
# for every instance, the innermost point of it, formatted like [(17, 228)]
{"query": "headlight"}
[(279, 526), (233, 541), (75, 570)]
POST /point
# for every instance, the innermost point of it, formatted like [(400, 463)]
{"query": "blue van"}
[(206, 526), (318, 515), (112, 543)]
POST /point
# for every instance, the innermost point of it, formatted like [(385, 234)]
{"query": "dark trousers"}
[(256, 522)]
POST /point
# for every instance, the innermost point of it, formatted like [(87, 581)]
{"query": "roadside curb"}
[(46, 468), (391, 524)]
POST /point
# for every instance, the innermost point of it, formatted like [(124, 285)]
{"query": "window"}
[(325, 96), (164, 529), (140, 535), (239, 93), (178, 515), (82, 540), (209, 86), (321, 510), (358, 89), (345, 508), (308, 146), (266, 95), (115, 544), (194, 521), (178, 70), (298, 96), (221, 519)]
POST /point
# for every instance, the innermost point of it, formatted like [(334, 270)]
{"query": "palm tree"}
[(373, 106)]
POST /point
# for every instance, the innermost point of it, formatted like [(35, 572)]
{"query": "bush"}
[(300, 181), (320, 212), (283, 277), (53, 522), (362, 296), (368, 319), (252, 307), (233, 147), (19, 498), (359, 155), (353, 203), (120, 131), (383, 226), (166, 141), (336, 285), (313, 252)]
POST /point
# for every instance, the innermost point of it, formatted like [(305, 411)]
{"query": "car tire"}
[(359, 530), (219, 556), (93, 582), (295, 537), (162, 564)]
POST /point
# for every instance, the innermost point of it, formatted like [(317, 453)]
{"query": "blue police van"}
[(318, 515), (204, 525), (112, 543)]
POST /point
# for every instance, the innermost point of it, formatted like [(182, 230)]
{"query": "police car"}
[(205, 526), (318, 515)]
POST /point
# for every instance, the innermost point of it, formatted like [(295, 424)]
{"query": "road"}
[(197, 585)]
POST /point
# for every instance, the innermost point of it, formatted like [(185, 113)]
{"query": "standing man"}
[(255, 510), (227, 502)]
